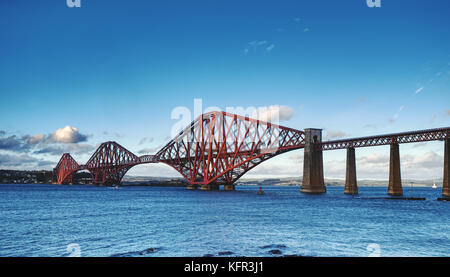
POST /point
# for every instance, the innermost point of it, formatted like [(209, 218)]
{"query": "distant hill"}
[(287, 181), (42, 176)]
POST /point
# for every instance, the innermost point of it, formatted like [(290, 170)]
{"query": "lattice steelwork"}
[(110, 163), (65, 169), (107, 165), (406, 137), (220, 147), (147, 159)]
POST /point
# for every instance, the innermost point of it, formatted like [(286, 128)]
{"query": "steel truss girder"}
[(220, 147), (65, 169), (110, 162), (406, 137)]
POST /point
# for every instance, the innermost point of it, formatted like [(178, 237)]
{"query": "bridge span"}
[(218, 148)]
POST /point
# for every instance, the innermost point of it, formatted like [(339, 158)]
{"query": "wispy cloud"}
[(427, 165), (257, 43), (396, 115), (145, 140), (361, 99), (57, 150), (371, 126), (273, 113), (14, 143), (419, 90), (60, 141), (259, 46), (335, 134), (14, 161), (149, 150), (270, 47), (419, 144), (433, 118)]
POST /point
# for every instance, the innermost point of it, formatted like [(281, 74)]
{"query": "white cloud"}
[(7, 160), (376, 166), (49, 144), (156, 170), (373, 159), (334, 134), (23, 161), (371, 166), (36, 139), (428, 160), (59, 149), (67, 134), (273, 113), (277, 167)]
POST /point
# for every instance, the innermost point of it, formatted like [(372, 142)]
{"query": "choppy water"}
[(51, 220)]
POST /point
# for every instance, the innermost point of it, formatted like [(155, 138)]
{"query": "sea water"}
[(83, 220)]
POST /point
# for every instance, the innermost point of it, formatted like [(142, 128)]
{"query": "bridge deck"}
[(405, 137)]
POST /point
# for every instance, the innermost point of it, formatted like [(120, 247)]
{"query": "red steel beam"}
[(65, 169), (219, 147)]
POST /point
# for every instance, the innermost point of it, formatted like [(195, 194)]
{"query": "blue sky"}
[(115, 70)]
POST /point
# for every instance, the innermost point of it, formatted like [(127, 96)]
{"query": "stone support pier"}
[(313, 181), (445, 183), (351, 186), (210, 187), (395, 179), (228, 187), (191, 187)]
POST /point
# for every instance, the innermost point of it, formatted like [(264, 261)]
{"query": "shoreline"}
[(166, 184)]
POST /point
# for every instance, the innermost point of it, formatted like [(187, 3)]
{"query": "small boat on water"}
[(434, 185), (260, 191)]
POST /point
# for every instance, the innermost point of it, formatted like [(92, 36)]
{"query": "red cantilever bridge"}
[(218, 148)]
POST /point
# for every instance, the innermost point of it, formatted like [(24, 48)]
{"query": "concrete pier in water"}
[(228, 187), (191, 187), (445, 183), (351, 186), (395, 179), (313, 181), (210, 187)]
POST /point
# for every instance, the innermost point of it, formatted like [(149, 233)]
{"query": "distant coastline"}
[(46, 177)]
